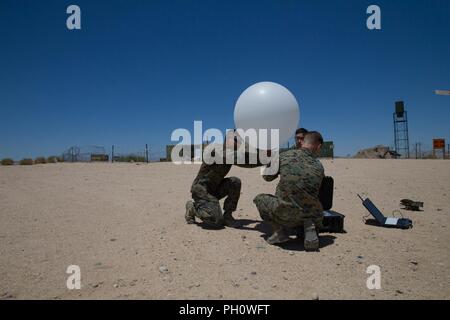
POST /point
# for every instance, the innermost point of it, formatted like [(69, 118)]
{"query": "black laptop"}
[(402, 223)]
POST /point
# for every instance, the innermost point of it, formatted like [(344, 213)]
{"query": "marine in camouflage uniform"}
[(299, 137), (209, 187), (296, 201)]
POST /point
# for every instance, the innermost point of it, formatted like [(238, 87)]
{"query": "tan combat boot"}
[(279, 235), (190, 212), (311, 239), (229, 220)]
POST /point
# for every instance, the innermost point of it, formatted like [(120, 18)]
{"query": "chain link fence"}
[(115, 153), (84, 154)]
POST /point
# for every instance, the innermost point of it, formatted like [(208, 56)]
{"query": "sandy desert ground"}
[(123, 224)]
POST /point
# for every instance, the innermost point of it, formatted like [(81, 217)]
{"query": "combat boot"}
[(311, 239), (229, 220), (279, 235), (190, 212)]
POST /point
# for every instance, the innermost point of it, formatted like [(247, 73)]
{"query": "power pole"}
[(146, 152), (112, 153)]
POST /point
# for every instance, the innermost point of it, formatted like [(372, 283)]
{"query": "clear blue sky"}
[(139, 69)]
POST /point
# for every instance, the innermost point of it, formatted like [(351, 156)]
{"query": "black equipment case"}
[(332, 220)]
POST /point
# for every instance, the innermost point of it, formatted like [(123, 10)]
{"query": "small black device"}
[(391, 222)]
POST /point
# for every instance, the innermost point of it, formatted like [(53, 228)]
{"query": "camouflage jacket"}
[(301, 175), (211, 175)]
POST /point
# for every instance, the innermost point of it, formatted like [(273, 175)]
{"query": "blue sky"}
[(137, 70)]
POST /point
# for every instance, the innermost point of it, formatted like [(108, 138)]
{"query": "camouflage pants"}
[(275, 210), (207, 204)]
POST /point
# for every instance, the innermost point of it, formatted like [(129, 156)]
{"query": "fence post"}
[(112, 153)]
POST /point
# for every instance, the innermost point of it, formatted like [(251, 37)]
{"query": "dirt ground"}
[(123, 225)]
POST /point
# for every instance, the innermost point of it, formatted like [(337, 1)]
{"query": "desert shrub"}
[(60, 159), (7, 162), (26, 162), (52, 159), (40, 160)]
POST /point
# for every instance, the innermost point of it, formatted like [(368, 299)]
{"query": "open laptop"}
[(402, 223)]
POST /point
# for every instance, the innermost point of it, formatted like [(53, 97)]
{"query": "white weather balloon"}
[(267, 105)]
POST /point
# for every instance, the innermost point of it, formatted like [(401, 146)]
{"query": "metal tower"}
[(401, 130)]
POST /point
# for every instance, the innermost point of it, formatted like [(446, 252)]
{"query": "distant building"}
[(377, 152), (327, 150), (194, 151), (85, 154), (100, 157)]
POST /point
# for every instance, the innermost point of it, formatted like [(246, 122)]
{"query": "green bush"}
[(26, 162), (7, 162), (40, 160), (52, 159)]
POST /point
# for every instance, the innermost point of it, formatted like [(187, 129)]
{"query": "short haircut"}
[(313, 137), (301, 130)]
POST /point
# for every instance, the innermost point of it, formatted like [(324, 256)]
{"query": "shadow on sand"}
[(373, 222), (207, 226), (295, 244)]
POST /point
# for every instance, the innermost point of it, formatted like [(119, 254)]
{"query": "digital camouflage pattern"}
[(210, 186), (206, 201), (297, 194)]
